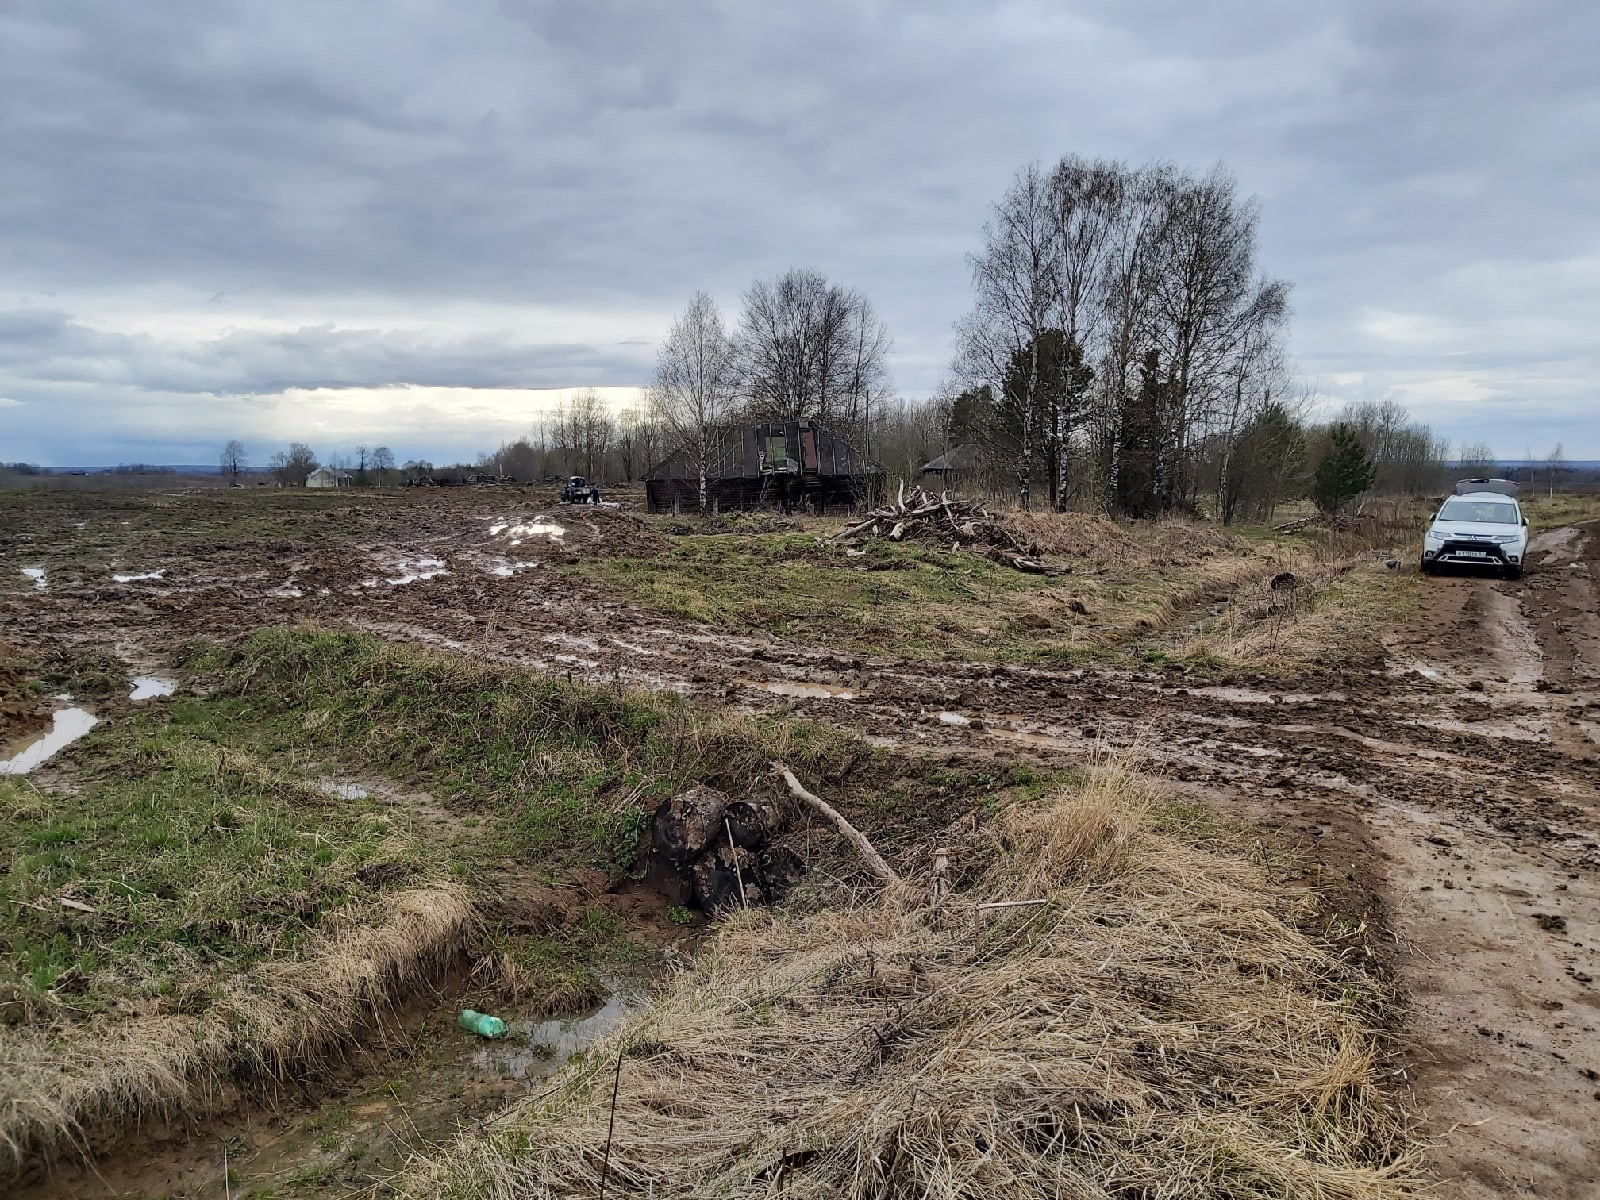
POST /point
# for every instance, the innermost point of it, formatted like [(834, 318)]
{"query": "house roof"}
[(957, 458)]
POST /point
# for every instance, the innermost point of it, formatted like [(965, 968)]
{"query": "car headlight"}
[(1431, 536), (1505, 539)]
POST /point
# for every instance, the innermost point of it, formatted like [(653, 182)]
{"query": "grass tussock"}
[(1158, 1027), (280, 1015), (1337, 614)]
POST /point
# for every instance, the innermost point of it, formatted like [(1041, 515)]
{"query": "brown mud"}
[(1447, 799)]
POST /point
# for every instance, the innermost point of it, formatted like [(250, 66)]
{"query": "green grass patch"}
[(915, 599), (910, 600), (188, 859), (566, 770), (198, 840)]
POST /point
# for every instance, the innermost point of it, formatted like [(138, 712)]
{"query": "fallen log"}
[(850, 833), (1033, 566)]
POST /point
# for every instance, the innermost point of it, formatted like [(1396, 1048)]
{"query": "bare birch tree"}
[(695, 392), (591, 427), (1554, 463), (1122, 304), (811, 350), (1016, 284)]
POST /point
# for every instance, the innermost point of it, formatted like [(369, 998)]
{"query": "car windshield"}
[(1479, 512)]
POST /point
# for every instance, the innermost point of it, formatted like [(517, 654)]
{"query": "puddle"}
[(576, 641), (37, 575), (288, 591), (574, 660), (634, 649), (142, 575), (352, 1140), (954, 718), (1566, 540), (1259, 751), (1240, 695), (148, 687), (538, 527), (801, 691), (343, 791), (1036, 738), (537, 1049), (68, 726), (505, 568), (411, 570), (1506, 730)]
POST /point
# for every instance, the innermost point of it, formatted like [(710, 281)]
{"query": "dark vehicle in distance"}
[(579, 491)]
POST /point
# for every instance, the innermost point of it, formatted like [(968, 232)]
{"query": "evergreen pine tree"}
[(1344, 472)]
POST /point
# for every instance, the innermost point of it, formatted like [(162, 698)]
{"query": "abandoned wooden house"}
[(780, 464), (955, 468)]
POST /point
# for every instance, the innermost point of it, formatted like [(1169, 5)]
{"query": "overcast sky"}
[(385, 222)]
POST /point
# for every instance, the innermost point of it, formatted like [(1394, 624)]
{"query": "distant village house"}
[(327, 477), (779, 464), (949, 470)]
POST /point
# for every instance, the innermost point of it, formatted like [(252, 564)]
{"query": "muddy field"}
[(1440, 778)]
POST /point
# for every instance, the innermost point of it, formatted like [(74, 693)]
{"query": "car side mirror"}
[(1524, 521)]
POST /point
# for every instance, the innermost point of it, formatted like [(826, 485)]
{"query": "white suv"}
[(1480, 526)]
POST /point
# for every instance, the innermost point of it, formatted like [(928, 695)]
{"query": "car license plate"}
[(1473, 553)]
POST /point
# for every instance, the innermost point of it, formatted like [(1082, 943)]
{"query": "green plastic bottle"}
[(481, 1024)]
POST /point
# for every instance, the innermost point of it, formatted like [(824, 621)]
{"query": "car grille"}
[(1470, 550)]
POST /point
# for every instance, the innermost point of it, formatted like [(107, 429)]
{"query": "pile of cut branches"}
[(964, 524), (1344, 522)]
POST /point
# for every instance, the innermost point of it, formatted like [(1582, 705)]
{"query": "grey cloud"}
[(612, 156), (48, 347)]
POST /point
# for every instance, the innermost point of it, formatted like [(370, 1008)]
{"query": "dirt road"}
[(1499, 915)]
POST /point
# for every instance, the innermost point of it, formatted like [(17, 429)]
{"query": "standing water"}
[(70, 724), (356, 1135), (148, 687)]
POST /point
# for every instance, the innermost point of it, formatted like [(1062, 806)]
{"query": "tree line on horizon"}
[(1124, 352)]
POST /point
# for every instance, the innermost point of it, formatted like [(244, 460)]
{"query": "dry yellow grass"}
[(1157, 1027), (1337, 614), (59, 1086)]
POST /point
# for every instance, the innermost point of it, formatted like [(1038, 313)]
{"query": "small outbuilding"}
[(953, 465), (782, 464), (327, 477)]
